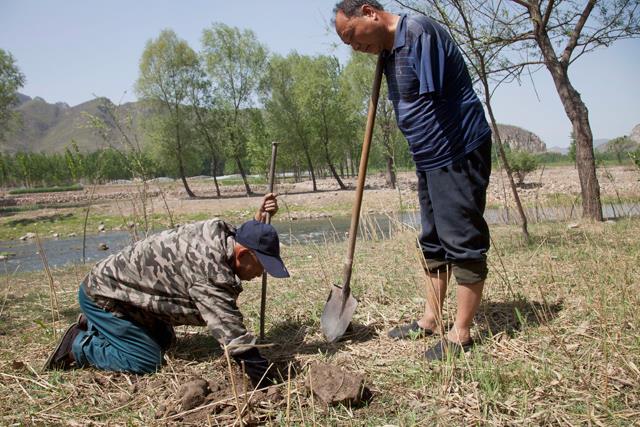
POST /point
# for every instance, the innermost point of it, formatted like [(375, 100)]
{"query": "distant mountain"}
[(559, 150), (50, 128), (521, 139), (45, 127)]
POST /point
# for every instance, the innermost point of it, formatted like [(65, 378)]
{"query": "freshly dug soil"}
[(334, 385), (216, 398)]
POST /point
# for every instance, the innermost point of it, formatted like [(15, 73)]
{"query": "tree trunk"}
[(244, 176), (214, 172), (332, 168), (578, 114), (182, 173), (310, 166), (391, 172), (184, 179)]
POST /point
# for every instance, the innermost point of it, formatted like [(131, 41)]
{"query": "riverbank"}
[(127, 207), (557, 334)]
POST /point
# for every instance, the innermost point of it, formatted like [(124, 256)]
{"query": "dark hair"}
[(352, 7)]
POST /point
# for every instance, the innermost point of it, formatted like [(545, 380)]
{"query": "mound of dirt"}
[(334, 385), (199, 400)]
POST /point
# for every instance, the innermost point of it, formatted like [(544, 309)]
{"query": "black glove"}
[(256, 367)]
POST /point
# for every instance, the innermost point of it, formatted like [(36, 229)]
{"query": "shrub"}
[(522, 163)]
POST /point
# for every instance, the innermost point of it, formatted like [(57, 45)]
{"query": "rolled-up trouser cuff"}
[(465, 272)]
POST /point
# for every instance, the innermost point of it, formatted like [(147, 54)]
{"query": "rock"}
[(193, 393), (56, 235), (131, 224), (573, 225), (28, 236), (334, 385), (101, 228), (103, 246), (71, 235)]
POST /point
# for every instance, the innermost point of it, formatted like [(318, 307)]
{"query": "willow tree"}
[(286, 115), (235, 62), (317, 88), (209, 122), (167, 70)]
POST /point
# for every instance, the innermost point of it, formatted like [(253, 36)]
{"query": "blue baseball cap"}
[(263, 240)]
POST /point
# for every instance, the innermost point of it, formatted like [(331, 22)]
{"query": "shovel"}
[(263, 298), (340, 306)]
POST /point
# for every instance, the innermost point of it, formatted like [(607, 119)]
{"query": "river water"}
[(64, 251)]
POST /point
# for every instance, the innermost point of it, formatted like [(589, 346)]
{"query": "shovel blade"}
[(338, 312)]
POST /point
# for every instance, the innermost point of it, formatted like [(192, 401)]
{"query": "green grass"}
[(557, 327), (55, 189)]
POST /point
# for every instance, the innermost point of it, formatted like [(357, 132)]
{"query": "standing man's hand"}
[(269, 205)]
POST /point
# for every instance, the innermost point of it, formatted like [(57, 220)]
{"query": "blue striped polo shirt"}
[(436, 107)]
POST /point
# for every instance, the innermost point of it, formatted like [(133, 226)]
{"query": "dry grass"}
[(558, 324)]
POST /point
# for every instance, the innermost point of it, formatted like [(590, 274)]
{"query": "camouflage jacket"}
[(180, 276)]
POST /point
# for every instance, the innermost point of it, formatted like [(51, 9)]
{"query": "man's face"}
[(246, 265), (363, 33)]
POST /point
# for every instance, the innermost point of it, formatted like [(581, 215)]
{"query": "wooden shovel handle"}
[(362, 172)]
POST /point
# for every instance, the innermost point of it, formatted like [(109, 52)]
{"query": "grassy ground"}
[(558, 330)]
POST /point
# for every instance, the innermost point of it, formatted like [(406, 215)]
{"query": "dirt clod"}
[(334, 385), (193, 393)]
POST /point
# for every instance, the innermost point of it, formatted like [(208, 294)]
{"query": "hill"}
[(521, 139), (50, 128)]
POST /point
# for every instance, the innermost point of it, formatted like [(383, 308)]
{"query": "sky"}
[(74, 50)]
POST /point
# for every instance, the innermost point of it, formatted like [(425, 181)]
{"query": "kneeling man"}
[(190, 275)]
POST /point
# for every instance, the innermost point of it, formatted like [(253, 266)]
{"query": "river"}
[(65, 251)]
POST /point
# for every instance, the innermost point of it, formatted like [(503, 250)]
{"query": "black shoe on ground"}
[(443, 349), (62, 356), (410, 330)]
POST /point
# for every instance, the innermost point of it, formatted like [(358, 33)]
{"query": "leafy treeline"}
[(218, 110)]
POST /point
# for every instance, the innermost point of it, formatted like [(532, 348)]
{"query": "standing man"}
[(449, 138), (190, 275)]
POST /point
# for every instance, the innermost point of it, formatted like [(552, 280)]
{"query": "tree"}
[(576, 28), (168, 69), (357, 78), (285, 114), (317, 87), (620, 145), (209, 122), (11, 79), (235, 62), (522, 163)]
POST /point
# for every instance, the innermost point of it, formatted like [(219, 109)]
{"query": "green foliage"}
[(522, 163), (75, 187), (572, 148), (635, 158), (619, 146), (11, 79), (235, 62), (169, 69)]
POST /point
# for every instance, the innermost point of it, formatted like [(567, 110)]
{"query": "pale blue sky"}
[(73, 49)]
